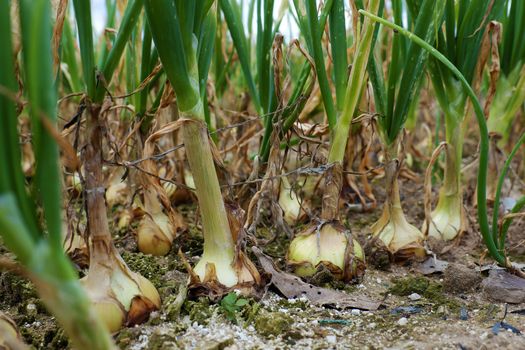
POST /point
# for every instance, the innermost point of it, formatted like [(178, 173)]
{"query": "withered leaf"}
[(293, 287)]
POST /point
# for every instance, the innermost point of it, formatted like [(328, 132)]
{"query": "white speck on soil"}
[(414, 296), (403, 321)]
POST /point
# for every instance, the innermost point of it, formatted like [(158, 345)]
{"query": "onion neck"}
[(95, 189), (333, 182), (450, 194), (218, 239), (392, 166)]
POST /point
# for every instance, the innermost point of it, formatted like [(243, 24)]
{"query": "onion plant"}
[(36, 240), (176, 28), (120, 295), (328, 243), (265, 89), (494, 244), (393, 96), (460, 41)]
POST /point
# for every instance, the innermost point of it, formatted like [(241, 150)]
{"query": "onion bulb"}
[(119, 295), (401, 239), (327, 244), (160, 224)]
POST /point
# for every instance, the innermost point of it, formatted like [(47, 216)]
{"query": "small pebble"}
[(414, 296), (403, 321), (331, 339), (355, 312)]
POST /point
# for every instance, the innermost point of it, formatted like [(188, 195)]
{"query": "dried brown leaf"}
[(293, 287)]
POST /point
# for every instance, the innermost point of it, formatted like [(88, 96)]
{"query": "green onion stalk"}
[(392, 232), (35, 237), (490, 236), (175, 28), (460, 41), (120, 296), (328, 243)]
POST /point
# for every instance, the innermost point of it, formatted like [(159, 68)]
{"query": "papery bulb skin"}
[(170, 188), (392, 233), (330, 245), (289, 203), (116, 194), (154, 235)]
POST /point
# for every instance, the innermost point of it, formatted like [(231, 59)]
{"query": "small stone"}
[(504, 287), (355, 312), (414, 296), (403, 321), (331, 339)]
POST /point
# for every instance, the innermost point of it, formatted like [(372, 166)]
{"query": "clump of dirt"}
[(460, 279)]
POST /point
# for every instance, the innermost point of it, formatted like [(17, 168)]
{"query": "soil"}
[(439, 311)]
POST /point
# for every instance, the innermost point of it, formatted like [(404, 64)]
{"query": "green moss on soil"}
[(146, 265), (430, 290), (272, 323), (200, 311), (15, 289)]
